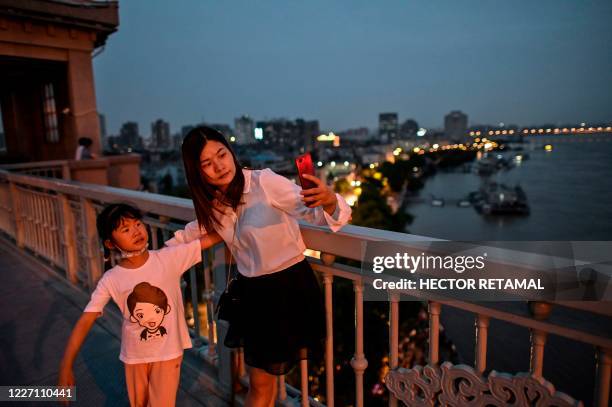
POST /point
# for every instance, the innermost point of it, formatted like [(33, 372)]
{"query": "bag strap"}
[(229, 264)]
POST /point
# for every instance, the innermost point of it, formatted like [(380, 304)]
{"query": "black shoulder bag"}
[(228, 306)]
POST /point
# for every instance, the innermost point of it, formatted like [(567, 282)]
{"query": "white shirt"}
[(268, 238), (79, 152), (151, 302)]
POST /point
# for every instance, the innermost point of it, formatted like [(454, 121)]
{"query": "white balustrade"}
[(55, 219)]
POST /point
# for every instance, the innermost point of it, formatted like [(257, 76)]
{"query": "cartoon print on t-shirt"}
[(148, 305)]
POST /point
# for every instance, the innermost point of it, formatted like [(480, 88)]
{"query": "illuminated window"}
[(50, 114)]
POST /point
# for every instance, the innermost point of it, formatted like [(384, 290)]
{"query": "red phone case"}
[(304, 166)]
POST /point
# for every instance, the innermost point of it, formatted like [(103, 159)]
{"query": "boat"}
[(437, 201), (491, 163), (500, 199), (464, 203)]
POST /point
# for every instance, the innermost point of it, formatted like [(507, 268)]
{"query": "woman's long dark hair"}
[(202, 193)]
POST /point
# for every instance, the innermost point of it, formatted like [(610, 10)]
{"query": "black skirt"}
[(281, 319)]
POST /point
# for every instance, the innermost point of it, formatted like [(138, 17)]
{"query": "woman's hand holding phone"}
[(319, 195)]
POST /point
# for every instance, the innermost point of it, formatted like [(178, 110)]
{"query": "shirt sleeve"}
[(285, 195), (192, 231), (100, 296), (181, 257)]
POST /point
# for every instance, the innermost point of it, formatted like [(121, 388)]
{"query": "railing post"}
[(225, 360), (393, 337), (359, 362), (538, 340), (482, 328), (195, 306), (282, 388), (45, 225), (209, 298), (328, 278), (602, 389), (66, 171), (69, 238), (153, 238), (29, 228), (16, 205), (304, 382), (434, 332), (91, 239), (540, 311)]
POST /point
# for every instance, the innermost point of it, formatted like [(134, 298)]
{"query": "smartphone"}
[(304, 166)]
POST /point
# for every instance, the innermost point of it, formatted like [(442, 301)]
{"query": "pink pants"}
[(153, 384)]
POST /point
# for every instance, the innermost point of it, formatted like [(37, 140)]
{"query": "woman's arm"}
[(77, 337), (323, 207)]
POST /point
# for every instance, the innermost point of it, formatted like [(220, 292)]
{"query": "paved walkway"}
[(39, 309)]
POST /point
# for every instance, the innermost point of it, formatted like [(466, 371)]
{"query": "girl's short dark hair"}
[(202, 193), (110, 219)]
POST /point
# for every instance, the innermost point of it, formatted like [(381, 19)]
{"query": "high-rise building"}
[(387, 127), (221, 128), (160, 134), (409, 129), (129, 137), (177, 142), (104, 145), (360, 134), (455, 125), (306, 131), (244, 129), (287, 135), (102, 125)]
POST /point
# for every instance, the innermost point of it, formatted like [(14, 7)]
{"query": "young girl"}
[(146, 286)]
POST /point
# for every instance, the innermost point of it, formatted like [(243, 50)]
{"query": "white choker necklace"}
[(125, 255)]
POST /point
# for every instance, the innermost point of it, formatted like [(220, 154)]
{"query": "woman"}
[(282, 317)]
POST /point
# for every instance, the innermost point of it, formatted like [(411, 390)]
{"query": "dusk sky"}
[(344, 62)]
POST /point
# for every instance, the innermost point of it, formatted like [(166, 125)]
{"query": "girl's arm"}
[(209, 239), (191, 232), (181, 257), (77, 337)]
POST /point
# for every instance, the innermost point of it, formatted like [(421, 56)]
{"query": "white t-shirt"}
[(268, 238), (150, 299)]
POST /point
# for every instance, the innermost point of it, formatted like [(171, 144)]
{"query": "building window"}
[(51, 132), (2, 135)]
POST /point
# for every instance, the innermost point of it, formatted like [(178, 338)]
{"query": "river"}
[(569, 190)]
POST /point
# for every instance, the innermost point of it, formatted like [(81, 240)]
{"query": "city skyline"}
[(518, 63), (375, 132)]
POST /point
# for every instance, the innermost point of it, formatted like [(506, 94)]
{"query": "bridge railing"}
[(55, 220), (114, 170)]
